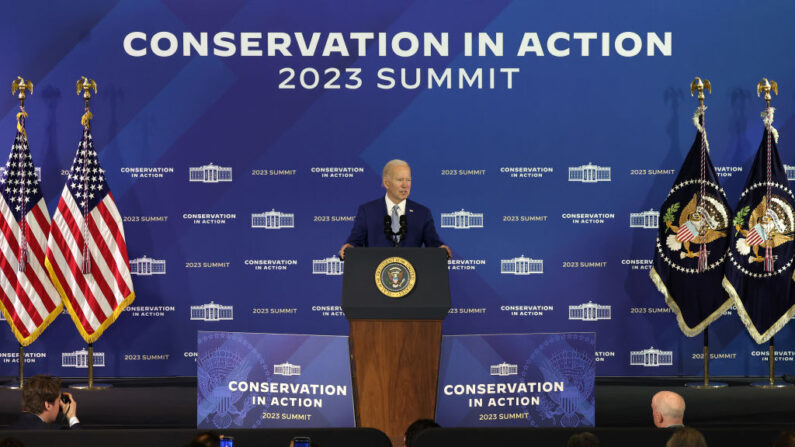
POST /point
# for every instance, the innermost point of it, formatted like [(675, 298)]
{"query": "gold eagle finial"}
[(766, 86), (700, 85), (85, 85), (21, 85)]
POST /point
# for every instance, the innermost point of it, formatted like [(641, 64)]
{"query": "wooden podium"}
[(395, 341)]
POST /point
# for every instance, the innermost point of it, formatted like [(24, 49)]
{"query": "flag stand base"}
[(770, 383), (706, 384), (91, 385), (21, 377)]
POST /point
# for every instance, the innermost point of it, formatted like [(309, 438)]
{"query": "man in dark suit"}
[(41, 403), (374, 219)]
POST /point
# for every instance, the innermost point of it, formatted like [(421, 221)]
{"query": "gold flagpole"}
[(84, 87), (767, 86), (700, 85)]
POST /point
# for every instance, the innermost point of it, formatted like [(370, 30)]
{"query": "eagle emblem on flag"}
[(767, 225), (697, 224)]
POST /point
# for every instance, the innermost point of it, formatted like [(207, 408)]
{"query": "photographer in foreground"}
[(42, 401)]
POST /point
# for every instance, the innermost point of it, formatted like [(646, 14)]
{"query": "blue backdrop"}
[(311, 155)]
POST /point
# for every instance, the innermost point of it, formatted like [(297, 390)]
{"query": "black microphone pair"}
[(388, 229)]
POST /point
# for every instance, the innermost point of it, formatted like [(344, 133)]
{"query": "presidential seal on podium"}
[(395, 277)]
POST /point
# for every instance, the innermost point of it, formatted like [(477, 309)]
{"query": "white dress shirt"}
[(390, 205)]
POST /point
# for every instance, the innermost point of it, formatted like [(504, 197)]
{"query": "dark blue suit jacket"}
[(368, 228), (28, 421)]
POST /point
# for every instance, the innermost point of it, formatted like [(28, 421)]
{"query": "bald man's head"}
[(668, 408)]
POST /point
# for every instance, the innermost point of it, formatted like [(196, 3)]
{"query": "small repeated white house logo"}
[(210, 174), (521, 266), (328, 266), (589, 173), (645, 219), (590, 312), (462, 220), (212, 312), (79, 359), (504, 369), (146, 266), (790, 170), (37, 169), (273, 220), (287, 369), (651, 357)]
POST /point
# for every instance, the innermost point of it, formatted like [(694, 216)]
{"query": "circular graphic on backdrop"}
[(228, 358)]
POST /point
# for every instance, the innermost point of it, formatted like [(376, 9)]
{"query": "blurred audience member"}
[(205, 439), (686, 437), (785, 439), (414, 430), (584, 439)]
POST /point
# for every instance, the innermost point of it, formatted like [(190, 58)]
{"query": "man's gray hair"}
[(392, 164)]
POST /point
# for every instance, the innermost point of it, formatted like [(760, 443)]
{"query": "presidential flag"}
[(28, 299), (86, 252), (759, 271), (692, 240)]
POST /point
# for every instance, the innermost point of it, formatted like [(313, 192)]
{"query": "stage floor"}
[(620, 402)]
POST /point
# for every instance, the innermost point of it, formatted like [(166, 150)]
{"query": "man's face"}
[(398, 183), (51, 410)]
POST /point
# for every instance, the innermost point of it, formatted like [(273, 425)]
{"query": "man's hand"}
[(342, 251), (69, 410), (449, 252)]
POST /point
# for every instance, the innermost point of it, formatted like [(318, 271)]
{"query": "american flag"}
[(86, 253), (28, 299)]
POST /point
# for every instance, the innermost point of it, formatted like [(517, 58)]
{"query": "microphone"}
[(403, 227), (388, 226)]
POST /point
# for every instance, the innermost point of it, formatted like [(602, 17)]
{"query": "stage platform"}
[(150, 403)]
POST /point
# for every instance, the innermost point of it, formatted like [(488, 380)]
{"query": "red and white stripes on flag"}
[(754, 237), (87, 226), (685, 234), (28, 299)]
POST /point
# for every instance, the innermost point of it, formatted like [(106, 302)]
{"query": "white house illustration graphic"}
[(146, 266), (645, 219), (211, 312), (287, 369), (504, 369), (273, 220), (210, 174), (589, 173), (79, 359), (521, 266), (790, 170), (590, 312), (651, 357), (462, 220), (328, 266)]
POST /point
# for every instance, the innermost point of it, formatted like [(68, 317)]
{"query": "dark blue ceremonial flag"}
[(692, 241), (760, 263)]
